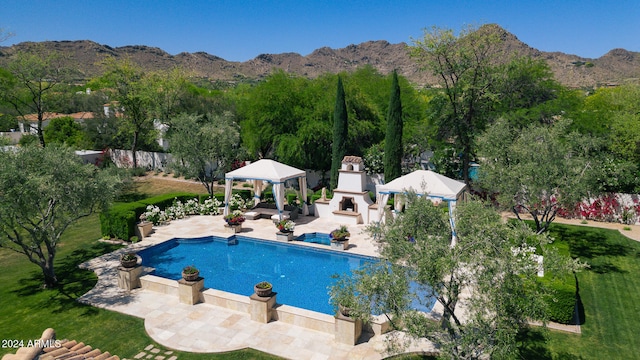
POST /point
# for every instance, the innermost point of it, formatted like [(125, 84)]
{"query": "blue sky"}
[(239, 30)]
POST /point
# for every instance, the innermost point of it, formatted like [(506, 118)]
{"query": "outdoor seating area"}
[(265, 210)]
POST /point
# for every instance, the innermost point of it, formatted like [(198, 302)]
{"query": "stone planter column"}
[(129, 278), (284, 236), (347, 330), (340, 245), (261, 308), (189, 291), (144, 229), (233, 228)]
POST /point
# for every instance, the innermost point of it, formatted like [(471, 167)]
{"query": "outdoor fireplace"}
[(347, 204)]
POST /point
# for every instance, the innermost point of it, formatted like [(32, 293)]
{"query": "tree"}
[(269, 110), (44, 190), (64, 130), (538, 169), (204, 147), (340, 134), (134, 97), (32, 77), (466, 67), (486, 283), (393, 140)]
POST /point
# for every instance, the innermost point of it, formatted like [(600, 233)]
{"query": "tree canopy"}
[(486, 283), (393, 150), (204, 147), (340, 134), (538, 169), (44, 190)]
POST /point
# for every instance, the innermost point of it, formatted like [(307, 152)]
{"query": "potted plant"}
[(236, 217), (129, 260), (263, 289), (190, 273), (340, 234), (285, 226), (340, 238)]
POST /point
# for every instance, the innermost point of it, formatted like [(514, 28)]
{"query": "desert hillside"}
[(616, 66)]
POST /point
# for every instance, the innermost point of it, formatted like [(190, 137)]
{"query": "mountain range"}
[(615, 67)]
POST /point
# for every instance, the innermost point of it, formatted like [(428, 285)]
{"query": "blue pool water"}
[(318, 238), (300, 275)]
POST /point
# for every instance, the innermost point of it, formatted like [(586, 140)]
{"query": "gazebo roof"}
[(424, 182), (266, 169)]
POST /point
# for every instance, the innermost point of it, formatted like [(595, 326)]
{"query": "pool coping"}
[(166, 319)]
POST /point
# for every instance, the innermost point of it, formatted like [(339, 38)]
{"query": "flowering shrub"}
[(237, 202), (285, 225), (178, 210), (608, 207), (234, 218), (210, 207)]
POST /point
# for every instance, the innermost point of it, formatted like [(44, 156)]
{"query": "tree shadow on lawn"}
[(73, 282), (593, 246), (533, 346)]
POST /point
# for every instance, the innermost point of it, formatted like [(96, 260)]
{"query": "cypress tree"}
[(393, 139), (340, 133)]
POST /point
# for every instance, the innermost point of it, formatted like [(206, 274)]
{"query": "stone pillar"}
[(347, 330), (282, 236), (233, 228), (144, 228), (340, 245), (129, 278), (189, 291), (261, 308)]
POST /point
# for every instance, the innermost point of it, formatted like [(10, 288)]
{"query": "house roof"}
[(266, 169), (49, 116)]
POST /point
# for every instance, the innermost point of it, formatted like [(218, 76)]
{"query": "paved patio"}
[(208, 328)]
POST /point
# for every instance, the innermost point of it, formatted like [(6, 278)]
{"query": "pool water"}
[(315, 237), (300, 275)]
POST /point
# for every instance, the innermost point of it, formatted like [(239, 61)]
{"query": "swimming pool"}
[(300, 275)]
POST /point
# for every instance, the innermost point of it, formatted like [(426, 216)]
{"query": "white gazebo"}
[(270, 171), (424, 183)]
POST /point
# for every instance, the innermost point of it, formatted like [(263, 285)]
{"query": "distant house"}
[(29, 123)]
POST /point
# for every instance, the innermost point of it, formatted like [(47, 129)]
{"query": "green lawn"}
[(609, 297), (609, 294), (26, 309)]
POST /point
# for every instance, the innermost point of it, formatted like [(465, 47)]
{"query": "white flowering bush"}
[(210, 207), (237, 202), (153, 214), (176, 210), (179, 210), (192, 207)]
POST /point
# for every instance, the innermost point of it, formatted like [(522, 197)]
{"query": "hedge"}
[(561, 302), (119, 221)]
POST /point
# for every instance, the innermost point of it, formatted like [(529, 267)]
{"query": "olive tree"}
[(538, 169), (204, 147), (485, 284), (31, 79), (44, 190)]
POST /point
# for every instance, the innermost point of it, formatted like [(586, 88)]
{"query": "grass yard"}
[(26, 309), (609, 294)]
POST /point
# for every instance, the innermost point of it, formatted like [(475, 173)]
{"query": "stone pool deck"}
[(208, 328)]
